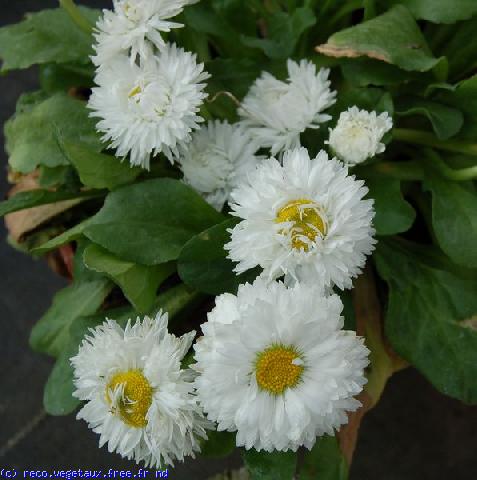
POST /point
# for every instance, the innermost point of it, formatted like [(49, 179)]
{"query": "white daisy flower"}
[(134, 28), (306, 219), (151, 108), (138, 399), (357, 135), (218, 157), (277, 112), (276, 366)]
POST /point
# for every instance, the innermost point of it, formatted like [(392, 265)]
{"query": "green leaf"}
[(138, 282), (150, 222), (66, 237), (393, 213), (284, 32), (218, 444), (97, 170), (61, 77), (53, 177), (32, 134), (203, 264), (348, 310), (393, 37), (363, 72), (439, 11), (270, 466), (465, 99), (446, 121), (45, 37), (210, 18), (376, 99), (34, 198), (324, 461), (58, 394), (461, 49), (234, 75), (429, 301), (79, 299), (454, 219)]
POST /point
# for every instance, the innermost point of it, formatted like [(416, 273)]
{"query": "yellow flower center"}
[(133, 405), (277, 368), (307, 222), (135, 91)]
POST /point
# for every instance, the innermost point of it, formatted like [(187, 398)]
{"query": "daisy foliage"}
[(292, 180)]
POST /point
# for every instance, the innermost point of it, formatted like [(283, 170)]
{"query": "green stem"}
[(408, 171), (369, 9), (459, 175), (428, 139), (76, 15), (346, 9)]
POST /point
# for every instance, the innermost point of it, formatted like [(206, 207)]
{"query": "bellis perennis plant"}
[(278, 176)]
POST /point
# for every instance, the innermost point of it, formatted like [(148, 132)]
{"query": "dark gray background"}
[(414, 432)]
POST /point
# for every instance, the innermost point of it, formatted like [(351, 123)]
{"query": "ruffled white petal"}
[(217, 159), (134, 28), (358, 134), (152, 108), (174, 420), (276, 111), (261, 315), (334, 259)]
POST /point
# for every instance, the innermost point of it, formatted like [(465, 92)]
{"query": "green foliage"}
[(32, 135), (461, 48), (97, 170), (139, 283), (363, 72), (66, 237), (79, 299), (464, 97), (161, 216), (324, 461), (428, 317), (393, 37), (45, 37), (270, 466), (61, 77), (203, 264), (454, 219), (218, 444), (438, 11), (446, 121), (393, 213), (284, 32)]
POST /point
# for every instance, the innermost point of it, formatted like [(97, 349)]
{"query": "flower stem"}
[(384, 362), (76, 15), (427, 139), (410, 170), (459, 175)]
